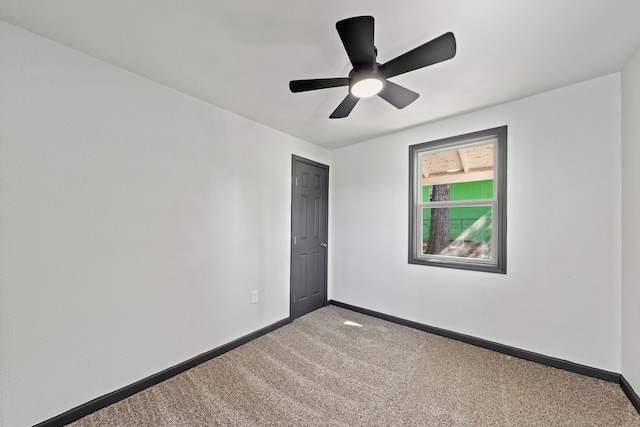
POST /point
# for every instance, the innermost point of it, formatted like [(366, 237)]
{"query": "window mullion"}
[(457, 203)]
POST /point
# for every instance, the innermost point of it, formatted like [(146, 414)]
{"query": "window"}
[(457, 202)]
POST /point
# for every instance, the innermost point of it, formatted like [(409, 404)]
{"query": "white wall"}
[(631, 222), (135, 221), (561, 294)]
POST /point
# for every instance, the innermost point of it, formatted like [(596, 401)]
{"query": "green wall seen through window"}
[(463, 217)]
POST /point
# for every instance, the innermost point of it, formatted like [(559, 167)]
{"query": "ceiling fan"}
[(368, 78)]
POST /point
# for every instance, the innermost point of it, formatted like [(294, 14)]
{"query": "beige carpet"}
[(319, 371)]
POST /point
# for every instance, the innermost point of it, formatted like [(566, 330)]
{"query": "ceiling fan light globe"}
[(367, 87)]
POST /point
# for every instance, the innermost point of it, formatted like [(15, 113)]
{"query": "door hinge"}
[(295, 240), (296, 181), (294, 298)]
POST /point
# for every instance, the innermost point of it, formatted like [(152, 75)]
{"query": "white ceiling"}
[(241, 54)]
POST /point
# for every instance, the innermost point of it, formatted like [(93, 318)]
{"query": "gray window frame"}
[(499, 217)]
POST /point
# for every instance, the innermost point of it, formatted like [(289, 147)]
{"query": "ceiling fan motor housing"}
[(364, 83)]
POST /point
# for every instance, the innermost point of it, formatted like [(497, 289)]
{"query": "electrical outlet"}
[(254, 297)]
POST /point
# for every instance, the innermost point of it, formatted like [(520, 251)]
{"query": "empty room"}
[(297, 213)]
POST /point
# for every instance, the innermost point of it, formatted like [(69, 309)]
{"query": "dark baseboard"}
[(628, 390), (490, 345), (512, 351), (118, 395), (85, 409)]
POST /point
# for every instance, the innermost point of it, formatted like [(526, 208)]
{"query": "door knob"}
[(324, 245)]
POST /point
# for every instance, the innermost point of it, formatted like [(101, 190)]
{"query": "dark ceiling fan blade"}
[(437, 50), (313, 84), (397, 95), (357, 37), (345, 107)]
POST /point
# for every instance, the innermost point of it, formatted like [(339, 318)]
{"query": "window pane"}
[(460, 232), (460, 168)]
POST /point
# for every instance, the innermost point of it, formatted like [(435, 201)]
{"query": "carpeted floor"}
[(321, 371)]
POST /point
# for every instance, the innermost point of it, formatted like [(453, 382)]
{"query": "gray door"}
[(309, 210)]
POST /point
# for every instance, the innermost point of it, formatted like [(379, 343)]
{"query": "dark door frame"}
[(295, 159)]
